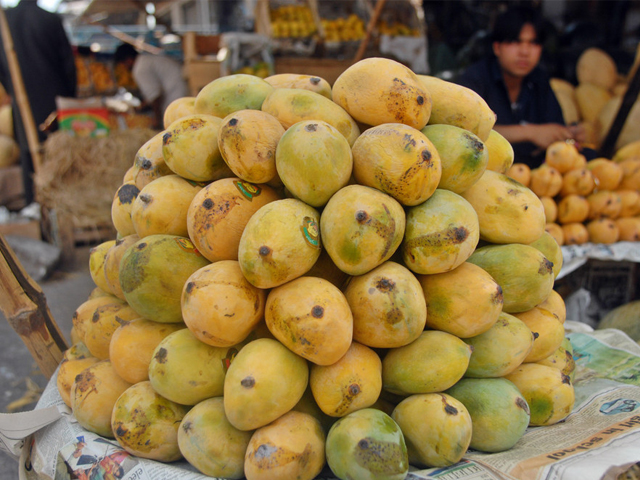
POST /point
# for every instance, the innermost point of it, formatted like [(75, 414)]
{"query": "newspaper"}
[(574, 256), (597, 441)]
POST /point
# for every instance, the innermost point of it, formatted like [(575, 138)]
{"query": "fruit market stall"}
[(369, 243)]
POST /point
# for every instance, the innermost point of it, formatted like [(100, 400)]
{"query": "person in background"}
[(517, 88), (48, 70), (159, 78)]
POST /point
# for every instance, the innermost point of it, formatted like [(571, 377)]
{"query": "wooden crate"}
[(327, 68)]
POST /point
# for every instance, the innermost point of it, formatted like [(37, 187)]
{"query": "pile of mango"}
[(310, 276), (595, 201)]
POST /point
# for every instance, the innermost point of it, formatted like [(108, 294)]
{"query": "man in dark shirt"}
[(48, 69), (517, 89)]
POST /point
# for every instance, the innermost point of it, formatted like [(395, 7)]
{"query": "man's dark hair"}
[(124, 52), (509, 23)]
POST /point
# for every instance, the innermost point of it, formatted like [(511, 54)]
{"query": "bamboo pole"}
[(370, 26), (26, 115), (25, 307)]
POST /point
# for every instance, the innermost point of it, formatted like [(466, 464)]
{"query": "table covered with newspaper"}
[(599, 440)]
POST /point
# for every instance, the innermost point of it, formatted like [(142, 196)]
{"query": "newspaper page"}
[(597, 441)]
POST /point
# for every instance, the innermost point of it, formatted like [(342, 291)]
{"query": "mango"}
[(280, 242), (230, 93), (190, 149), (112, 263), (219, 212), (257, 392), (362, 228), (291, 446), (432, 363), (93, 396), (161, 206), (548, 330), (460, 106), (463, 156), (380, 90), (146, 424), (388, 306), (465, 301), (313, 160), (210, 443), (148, 163), (548, 391), (399, 160), (436, 427), (97, 256), (295, 80), (121, 208), (292, 105), (83, 315), (351, 383), (311, 317), (501, 349), (153, 272), (106, 319), (508, 212), (220, 306), (555, 304), (499, 412), (562, 359), (441, 233), (132, 346), (247, 140), (178, 108), (67, 374), (186, 371), (368, 445), (550, 249), (523, 287), (501, 155)]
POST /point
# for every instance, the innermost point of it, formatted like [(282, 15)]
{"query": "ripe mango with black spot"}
[(548, 329), (105, 320), (152, 273), (562, 359), (295, 80), (231, 93), (457, 105), (210, 443), (388, 306), (379, 90), (93, 395), (432, 363), (550, 249), (293, 105), (121, 208), (186, 371), (312, 318), (441, 233), (190, 148), (97, 256), (508, 212), (465, 301), (436, 427), (399, 160), (256, 392), (67, 374), (291, 446), (501, 349), (499, 412), (280, 242), (149, 163), (463, 156), (352, 383), (146, 424), (112, 263), (84, 313), (524, 286), (368, 445), (548, 391), (362, 228)]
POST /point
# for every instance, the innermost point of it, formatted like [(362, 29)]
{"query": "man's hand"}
[(541, 135)]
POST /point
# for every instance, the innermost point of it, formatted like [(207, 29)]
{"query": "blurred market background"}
[(210, 38)]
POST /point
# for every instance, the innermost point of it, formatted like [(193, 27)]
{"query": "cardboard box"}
[(28, 228), (199, 73)]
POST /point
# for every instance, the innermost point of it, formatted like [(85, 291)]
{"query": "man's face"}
[(519, 58)]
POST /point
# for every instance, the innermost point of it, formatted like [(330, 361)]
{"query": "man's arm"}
[(541, 135)]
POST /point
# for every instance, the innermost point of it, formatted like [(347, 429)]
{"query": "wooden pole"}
[(370, 26), (20, 93), (25, 307), (607, 149)]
